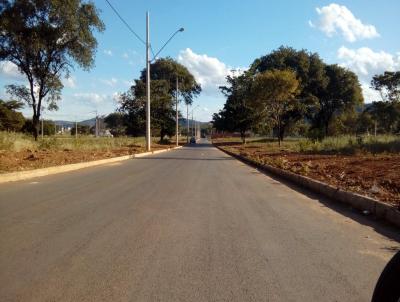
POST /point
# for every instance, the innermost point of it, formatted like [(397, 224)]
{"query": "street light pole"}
[(176, 109), (193, 123), (148, 135), (187, 122)]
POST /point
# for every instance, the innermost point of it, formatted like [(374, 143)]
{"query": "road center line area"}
[(192, 224)]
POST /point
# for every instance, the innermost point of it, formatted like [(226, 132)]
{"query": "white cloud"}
[(366, 62), (335, 18), (111, 82), (108, 52), (70, 82), (91, 97), (209, 72), (10, 71), (370, 95)]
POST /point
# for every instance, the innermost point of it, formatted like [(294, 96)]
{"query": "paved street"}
[(188, 225)]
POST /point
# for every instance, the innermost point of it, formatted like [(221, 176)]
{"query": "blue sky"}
[(362, 35)]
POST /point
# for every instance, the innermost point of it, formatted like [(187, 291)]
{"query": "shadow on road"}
[(379, 226)]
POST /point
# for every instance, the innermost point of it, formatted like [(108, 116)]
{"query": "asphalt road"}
[(187, 225)]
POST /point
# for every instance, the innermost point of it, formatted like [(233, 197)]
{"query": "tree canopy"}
[(163, 91), (44, 39), (288, 89), (275, 91), (10, 118), (388, 85)]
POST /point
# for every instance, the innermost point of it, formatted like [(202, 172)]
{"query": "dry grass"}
[(333, 145)]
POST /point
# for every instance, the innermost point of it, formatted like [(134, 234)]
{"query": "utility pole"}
[(76, 129), (187, 122), (96, 126), (176, 108), (148, 135)]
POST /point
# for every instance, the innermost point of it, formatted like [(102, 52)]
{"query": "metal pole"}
[(96, 127), (187, 122), (76, 129), (176, 108), (193, 124), (148, 135)]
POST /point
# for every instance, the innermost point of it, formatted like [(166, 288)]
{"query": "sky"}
[(221, 36)]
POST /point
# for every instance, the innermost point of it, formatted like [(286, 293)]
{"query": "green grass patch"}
[(10, 141), (345, 144)]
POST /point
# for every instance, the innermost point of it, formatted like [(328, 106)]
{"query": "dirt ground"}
[(376, 176), (28, 160)]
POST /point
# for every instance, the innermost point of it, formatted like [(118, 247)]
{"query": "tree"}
[(311, 75), (386, 116), (167, 69), (238, 113), (388, 85), (10, 119), (342, 93), (275, 90), (43, 39), (82, 129), (116, 122), (163, 90)]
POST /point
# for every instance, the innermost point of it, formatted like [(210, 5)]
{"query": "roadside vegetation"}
[(341, 138), (20, 151), (367, 165)]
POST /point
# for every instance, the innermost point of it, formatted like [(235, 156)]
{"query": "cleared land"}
[(368, 166), (19, 152)]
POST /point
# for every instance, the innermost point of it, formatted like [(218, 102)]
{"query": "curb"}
[(378, 208), (23, 175)]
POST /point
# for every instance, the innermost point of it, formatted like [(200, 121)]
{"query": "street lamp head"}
[(181, 29)]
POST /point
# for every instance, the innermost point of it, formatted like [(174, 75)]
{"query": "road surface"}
[(188, 225)]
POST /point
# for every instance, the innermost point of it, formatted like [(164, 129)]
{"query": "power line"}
[(126, 24)]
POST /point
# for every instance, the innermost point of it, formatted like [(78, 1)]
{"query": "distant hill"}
[(89, 123), (92, 122), (183, 122)]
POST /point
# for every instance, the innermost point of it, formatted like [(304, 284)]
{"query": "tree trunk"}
[(281, 133), (36, 126), (326, 128), (162, 134), (243, 136)]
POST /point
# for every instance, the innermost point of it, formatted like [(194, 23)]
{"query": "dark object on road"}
[(192, 140), (388, 287)]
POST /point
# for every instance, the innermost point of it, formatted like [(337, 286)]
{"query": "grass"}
[(345, 144), (15, 142)]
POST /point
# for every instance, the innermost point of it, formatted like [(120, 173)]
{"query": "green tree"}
[(10, 118), (238, 113), (116, 122), (82, 130), (342, 94), (163, 90), (386, 115), (275, 91), (311, 74), (388, 85), (43, 39)]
